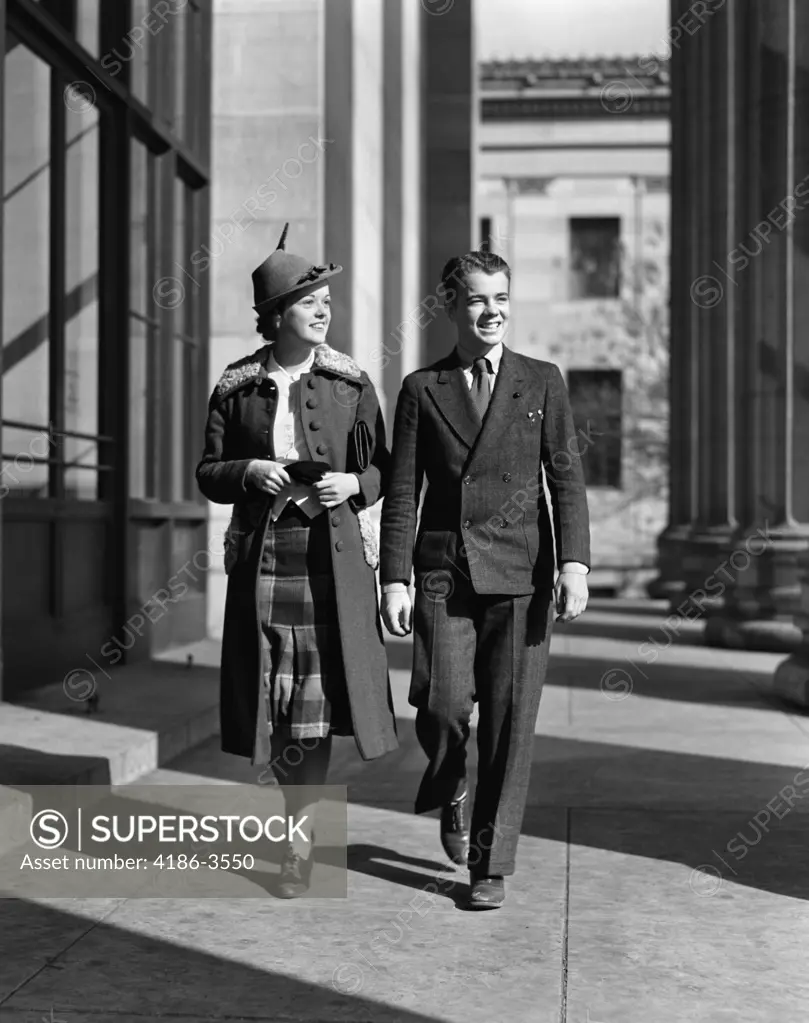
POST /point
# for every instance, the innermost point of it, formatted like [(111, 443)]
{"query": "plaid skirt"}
[(303, 693)]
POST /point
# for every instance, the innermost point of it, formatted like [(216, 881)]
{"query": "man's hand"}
[(571, 595), (397, 612), (266, 475), (335, 487)]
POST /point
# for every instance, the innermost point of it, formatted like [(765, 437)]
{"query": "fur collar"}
[(254, 366)]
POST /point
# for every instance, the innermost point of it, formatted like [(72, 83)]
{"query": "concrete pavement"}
[(662, 874)]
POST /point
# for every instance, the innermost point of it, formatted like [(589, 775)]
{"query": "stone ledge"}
[(147, 715)]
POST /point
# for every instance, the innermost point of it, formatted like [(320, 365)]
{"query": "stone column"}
[(354, 173), (682, 342), (450, 114), (771, 261), (399, 349), (714, 304)]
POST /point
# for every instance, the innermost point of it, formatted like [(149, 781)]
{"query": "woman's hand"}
[(336, 487), (267, 476)]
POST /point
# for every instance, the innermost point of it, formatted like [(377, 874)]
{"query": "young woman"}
[(296, 442)]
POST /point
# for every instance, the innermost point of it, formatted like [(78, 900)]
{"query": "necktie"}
[(481, 387)]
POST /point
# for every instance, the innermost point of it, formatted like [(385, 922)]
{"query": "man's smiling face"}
[(481, 310)]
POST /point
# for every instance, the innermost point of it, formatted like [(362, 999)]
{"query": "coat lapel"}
[(508, 383), (451, 396)]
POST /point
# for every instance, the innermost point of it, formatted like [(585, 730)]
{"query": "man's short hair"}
[(477, 261)]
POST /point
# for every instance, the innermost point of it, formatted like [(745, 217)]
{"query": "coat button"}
[(335, 520), (507, 477), (311, 402), (321, 449), (503, 523), (310, 383), (467, 523), (315, 424), (468, 479), (518, 394), (339, 545)]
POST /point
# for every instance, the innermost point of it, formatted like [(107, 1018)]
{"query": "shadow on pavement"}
[(675, 806), (62, 966), (688, 683)]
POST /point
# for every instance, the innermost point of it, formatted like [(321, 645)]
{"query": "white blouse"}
[(289, 443)]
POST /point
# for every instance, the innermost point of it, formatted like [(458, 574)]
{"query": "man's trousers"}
[(494, 650)]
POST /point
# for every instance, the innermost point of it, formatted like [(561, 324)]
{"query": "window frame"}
[(580, 276), (614, 431)]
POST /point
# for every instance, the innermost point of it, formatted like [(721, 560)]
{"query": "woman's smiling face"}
[(309, 316)]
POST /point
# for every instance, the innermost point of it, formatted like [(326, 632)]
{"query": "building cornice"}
[(574, 89)]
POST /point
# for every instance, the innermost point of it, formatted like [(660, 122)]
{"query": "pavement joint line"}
[(565, 924)]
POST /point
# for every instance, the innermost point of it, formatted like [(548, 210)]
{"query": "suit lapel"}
[(500, 413), (450, 393)]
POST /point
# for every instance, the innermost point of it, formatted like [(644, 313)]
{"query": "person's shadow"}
[(446, 881)]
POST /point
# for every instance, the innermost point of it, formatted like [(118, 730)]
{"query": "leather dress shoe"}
[(296, 874), (487, 893), (455, 829)]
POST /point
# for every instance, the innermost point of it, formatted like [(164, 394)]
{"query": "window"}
[(595, 264), (185, 428), (485, 234), (79, 17), (139, 51), (595, 398), (26, 273), (144, 323), (88, 25), (80, 303)]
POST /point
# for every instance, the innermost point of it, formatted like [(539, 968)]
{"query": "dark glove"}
[(307, 472)]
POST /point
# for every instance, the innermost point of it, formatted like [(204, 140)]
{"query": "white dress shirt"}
[(495, 356), (289, 443)]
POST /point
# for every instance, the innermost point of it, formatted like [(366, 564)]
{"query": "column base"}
[(669, 583), (776, 637), (701, 556), (791, 679), (762, 582)]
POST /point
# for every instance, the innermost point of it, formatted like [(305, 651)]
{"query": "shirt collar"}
[(273, 367), (494, 355)]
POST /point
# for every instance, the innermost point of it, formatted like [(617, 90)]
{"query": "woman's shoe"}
[(296, 874)]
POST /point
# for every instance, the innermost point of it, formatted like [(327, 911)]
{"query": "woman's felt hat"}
[(281, 274)]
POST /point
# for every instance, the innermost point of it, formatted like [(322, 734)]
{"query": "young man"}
[(482, 426)]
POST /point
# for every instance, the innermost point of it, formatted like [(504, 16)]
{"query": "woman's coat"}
[(333, 395)]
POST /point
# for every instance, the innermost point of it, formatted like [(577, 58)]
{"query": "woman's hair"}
[(472, 262), (265, 322)]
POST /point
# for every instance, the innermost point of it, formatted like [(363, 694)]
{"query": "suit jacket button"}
[(339, 545), (518, 394), (503, 523), (321, 449), (468, 479), (467, 524), (310, 383), (311, 402), (335, 520), (507, 477), (315, 425)]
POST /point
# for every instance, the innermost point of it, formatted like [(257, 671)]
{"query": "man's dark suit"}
[(484, 563)]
